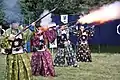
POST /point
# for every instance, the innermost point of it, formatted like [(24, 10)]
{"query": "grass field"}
[(104, 67)]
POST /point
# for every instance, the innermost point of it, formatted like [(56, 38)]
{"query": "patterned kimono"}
[(41, 61), (83, 51), (65, 51), (18, 63)]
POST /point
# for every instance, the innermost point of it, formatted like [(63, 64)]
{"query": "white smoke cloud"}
[(12, 11), (46, 21)]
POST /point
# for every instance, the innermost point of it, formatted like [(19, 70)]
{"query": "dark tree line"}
[(1, 12), (32, 9)]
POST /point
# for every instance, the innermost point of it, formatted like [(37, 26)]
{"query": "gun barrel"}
[(37, 21)]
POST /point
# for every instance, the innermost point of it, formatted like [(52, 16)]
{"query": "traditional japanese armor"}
[(17, 45), (40, 46), (62, 39), (84, 38)]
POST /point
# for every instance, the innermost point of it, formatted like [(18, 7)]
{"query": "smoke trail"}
[(12, 11), (46, 20), (104, 14)]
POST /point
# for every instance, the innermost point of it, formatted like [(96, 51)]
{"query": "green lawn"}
[(104, 67)]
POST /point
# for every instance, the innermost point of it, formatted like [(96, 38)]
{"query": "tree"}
[(31, 9), (1, 12)]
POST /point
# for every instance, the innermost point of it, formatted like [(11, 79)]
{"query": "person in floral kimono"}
[(17, 61), (41, 60), (65, 52), (83, 51)]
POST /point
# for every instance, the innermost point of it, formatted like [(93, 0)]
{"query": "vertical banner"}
[(64, 18), (53, 45)]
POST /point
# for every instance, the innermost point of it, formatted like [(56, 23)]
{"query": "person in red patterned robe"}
[(41, 60)]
